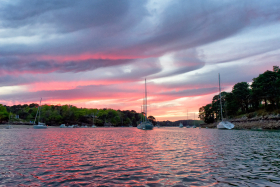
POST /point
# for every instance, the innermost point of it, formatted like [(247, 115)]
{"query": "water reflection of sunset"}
[(127, 157)]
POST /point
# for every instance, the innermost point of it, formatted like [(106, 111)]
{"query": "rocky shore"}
[(269, 122)]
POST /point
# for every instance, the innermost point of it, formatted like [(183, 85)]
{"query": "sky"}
[(97, 54)]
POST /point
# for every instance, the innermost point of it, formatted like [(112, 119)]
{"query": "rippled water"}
[(133, 157)]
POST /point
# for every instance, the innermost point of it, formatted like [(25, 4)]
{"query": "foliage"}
[(241, 94), (68, 114), (245, 98), (4, 115)]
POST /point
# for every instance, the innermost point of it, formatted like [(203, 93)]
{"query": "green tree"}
[(216, 106), (241, 93), (206, 114), (266, 87), (152, 119), (4, 115), (232, 105)]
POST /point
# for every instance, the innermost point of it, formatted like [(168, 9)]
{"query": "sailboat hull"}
[(39, 127), (181, 125), (225, 125), (145, 126)]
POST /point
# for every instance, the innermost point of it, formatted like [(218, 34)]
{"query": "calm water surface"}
[(133, 157)]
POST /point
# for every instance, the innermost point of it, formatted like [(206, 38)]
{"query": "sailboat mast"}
[(220, 98), (141, 114), (39, 111), (146, 102), (187, 116)]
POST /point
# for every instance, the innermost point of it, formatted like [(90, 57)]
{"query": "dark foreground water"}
[(133, 157)]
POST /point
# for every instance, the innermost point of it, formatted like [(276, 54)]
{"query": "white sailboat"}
[(9, 126), (93, 125), (224, 124), (40, 125), (188, 126), (145, 124), (181, 125)]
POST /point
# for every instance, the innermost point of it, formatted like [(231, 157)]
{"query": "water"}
[(133, 157)]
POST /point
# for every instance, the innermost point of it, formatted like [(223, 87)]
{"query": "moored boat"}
[(63, 126), (181, 125), (145, 124), (40, 125), (224, 124), (8, 127)]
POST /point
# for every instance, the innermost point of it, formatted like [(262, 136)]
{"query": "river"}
[(133, 157)]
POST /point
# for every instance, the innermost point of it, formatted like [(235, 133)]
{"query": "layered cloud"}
[(89, 53)]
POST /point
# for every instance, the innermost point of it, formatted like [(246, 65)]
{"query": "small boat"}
[(63, 126), (8, 127), (223, 124), (181, 125), (40, 125)]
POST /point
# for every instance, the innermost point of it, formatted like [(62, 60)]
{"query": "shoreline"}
[(3, 126), (250, 125)]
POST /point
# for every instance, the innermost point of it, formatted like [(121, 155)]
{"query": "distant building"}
[(275, 68)]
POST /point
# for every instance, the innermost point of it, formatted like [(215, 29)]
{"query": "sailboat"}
[(158, 126), (40, 125), (181, 125), (224, 124), (145, 124), (9, 126), (93, 117), (188, 126)]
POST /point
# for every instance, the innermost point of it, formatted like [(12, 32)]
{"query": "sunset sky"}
[(97, 54)]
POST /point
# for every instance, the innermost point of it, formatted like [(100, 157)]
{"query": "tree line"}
[(69, 115), (262, 93)]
